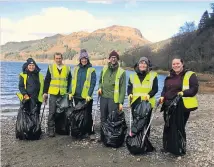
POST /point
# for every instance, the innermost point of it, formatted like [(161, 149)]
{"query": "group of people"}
[(80, 84)]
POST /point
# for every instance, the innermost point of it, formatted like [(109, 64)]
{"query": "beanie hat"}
[(114, 53), (30, 61), (144, 59), (83, 54)]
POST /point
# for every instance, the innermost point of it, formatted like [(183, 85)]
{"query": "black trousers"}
[(89, 114), (107, 105), (52, 110)]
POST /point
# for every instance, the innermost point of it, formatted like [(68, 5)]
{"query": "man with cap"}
[(112, 87), (142, 85), (31, 84), (82, 87), (57, 84)]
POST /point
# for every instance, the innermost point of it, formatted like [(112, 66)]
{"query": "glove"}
[(26, 97), (130, 97), (99, 92), (161, 100), (70, 96), (88, 98), (120, 107), (146, 97), (181, 93)]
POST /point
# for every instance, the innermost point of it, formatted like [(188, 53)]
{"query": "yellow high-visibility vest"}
[(87, 82), (59, 82), (41, 80), (142, 89), (119, 73), (189, 102)]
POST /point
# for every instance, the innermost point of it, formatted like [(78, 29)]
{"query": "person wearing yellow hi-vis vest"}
[(57, 84), (112, 87), (142, 85), (82, 86), (184, 83), (31, 84)]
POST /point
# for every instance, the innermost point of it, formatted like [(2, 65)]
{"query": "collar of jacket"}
[(113, 67), (31, 72), (182, 73)]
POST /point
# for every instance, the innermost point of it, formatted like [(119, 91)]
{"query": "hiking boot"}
[(51, 132)]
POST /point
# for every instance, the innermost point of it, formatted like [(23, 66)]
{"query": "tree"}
[(212, 15), (204, 22), (212, 6), (188, 27)]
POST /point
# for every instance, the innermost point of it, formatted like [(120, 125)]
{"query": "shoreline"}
[(66, 151)]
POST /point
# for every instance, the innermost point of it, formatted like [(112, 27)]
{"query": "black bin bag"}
[(28, 125), (135, 143), (174, 136), (62, 116), (79, 119), (114, 130)]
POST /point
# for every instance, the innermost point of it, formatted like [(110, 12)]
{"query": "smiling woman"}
[(181, 84)]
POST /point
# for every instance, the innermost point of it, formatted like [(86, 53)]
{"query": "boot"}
[(51, 132)]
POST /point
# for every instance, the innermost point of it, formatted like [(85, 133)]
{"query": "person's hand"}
[(99, 92), (130, 97), (120, 107), (70, 96), (88, 98), (45, 97), (161, 100), (181, 93), (146, 97), (26, 97)]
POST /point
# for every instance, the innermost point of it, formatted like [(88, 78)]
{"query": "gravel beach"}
[(65, 151)]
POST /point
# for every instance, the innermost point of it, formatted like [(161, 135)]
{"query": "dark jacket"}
[(174, 83), (141, 76), (81, 77), (109, 83), (48, 80), (33, 84)]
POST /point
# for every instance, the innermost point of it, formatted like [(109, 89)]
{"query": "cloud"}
[(100, 1), (131, 4), (50, 21)]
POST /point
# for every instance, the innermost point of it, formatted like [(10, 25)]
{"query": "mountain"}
[(98, 43)]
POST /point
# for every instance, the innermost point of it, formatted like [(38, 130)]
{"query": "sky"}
[(22, 21)]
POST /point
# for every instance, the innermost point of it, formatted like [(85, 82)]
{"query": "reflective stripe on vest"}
[(120, 71), (87, 82), (142, 89), (189, 102), (58, 81), (41, 80)]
